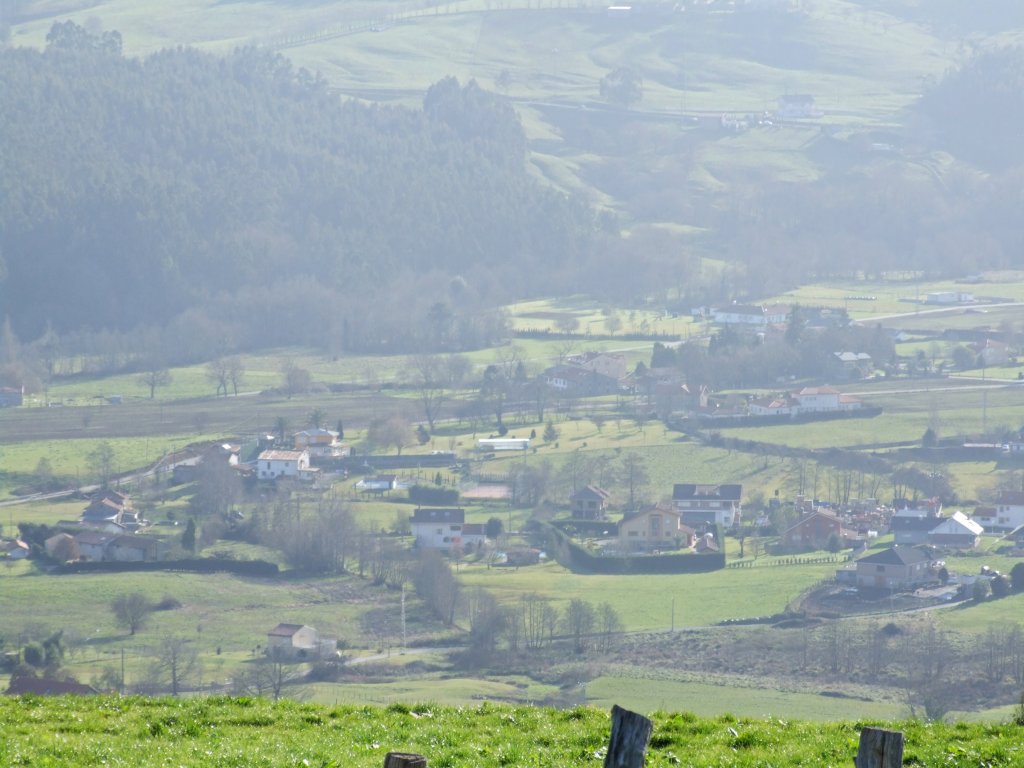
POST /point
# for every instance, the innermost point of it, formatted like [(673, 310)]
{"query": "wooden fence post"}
[(404, 760), (879, 748), (627, 746)]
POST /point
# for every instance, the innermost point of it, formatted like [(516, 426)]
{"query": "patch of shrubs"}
[(167, 603)]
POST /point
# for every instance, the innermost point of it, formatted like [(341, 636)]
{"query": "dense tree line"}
[(977, 109), (735, 358), (239, 201)]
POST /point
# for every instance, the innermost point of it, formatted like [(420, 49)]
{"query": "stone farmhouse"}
[(124, 548), (894, 568), (294, 642)]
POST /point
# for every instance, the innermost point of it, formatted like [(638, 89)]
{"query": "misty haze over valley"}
[(667, 354)]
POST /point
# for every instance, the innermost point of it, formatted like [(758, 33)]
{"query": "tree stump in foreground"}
[(879, 748), (627, 746), (404, 760)]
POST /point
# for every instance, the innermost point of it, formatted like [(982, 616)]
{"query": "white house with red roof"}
[(782, 405), (806, 400)]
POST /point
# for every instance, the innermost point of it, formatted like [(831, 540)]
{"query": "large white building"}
[(700, 505), (806, 400), (751, 314), (1006, 514), (272, 464)]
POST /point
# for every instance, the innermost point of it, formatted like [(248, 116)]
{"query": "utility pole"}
[(673, 613), (403, 616), (122, 670)]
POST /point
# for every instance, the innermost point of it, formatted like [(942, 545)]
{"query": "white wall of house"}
[(1009, 516), (272, 464), (726, 513), (818, 401), (437, 535)]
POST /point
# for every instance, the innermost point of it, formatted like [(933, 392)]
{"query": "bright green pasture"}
[(443, 690), (865, 300), (978, 618), (644, 601), (261, 371), (236, 733), (545, 314), (668, 456), (69, 458), (710, 699), (218, 610), (953, 407)]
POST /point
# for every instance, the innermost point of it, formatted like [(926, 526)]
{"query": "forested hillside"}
[(240, 196), (239, 202)]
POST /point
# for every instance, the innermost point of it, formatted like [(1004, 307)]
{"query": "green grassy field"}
[(724, 696), (225, 733), (218, 610), (645, 602), (446, 690)]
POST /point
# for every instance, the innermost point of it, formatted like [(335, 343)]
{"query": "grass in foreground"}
[(224, 733)]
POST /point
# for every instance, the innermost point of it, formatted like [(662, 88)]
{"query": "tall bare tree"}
[(633, 473), (177, 662), (155, 375), (101, 462), (218, 372), (428, 379), (436, 585), (269, 677), (579, 623), (391, 431)]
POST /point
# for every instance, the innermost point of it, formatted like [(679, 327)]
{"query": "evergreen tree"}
[(188, 537)]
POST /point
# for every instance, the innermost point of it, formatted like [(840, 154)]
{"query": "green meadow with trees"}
[(388, 221)]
